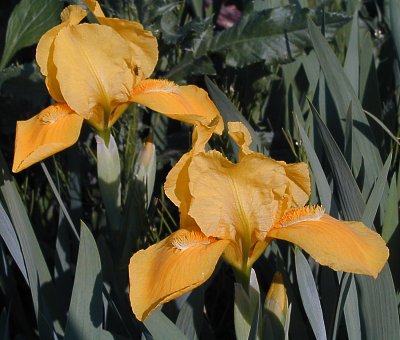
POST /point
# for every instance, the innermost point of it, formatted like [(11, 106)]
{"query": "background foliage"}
[(330, 99)]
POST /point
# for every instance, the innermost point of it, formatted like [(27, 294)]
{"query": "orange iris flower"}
[(93, 72), (235, 210)]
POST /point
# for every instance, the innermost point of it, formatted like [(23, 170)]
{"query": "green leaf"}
[(312, 70), (190, 318), (377, 298), (35, 264), (85, 315), (162, 328), (109, 172), (59, 199), (391, 219), (261, 5), (348, 137), (352, 313), (28, 22), (10, 238), (383, 126), (376, 195), (272, 35), (345, 283), (394, 10), (352, 62), (197, 7), (309, 295), (369, 84), (189, 65), (344, 95), (323, 187), (349, 194)]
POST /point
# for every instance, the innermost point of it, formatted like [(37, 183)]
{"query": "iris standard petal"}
[(105, 74), (176, 188), (52, 130), (95, 8), (345, 246), (235, 198), (177, 183), (71, 15), (299, 188), (241, 136), (170, 268), (189, 104), (142, 42), (299, 183)]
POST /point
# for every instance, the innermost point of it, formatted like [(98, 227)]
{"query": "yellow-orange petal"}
[(189, 104), (52, 130), (230, 199), (105, 74), (170, 268), (177, 183), (71, 15), (142, 42), (95, 8), (241, 136), (299, 183), (345, 246), (177, 189)]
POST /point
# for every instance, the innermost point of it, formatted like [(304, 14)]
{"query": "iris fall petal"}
[(170, 268), (345, 246), (52, 130), (189, 104)]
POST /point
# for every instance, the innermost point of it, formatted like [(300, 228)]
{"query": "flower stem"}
[(105, 135), (243, 277)]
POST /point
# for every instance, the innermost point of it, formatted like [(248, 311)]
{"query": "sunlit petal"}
[(94, 7), (143, 43), (235, 198), (71, 15), (241, 136), (177, 183), (177, 189), (170, 268), (105, 74), (188, 104), (299, 183), (345, 246), (52, 130)]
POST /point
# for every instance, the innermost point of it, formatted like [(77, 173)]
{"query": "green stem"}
[(243, 277), (105, 135)]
